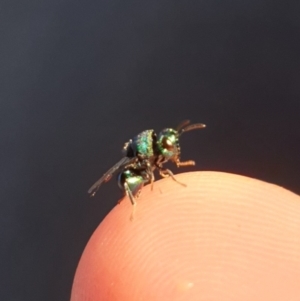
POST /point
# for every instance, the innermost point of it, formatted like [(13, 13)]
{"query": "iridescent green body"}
[(143, 154), (132, 181), (144, 143), (168, 145), (142, 146)]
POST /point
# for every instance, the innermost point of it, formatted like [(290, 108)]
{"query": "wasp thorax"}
[(168, 144)]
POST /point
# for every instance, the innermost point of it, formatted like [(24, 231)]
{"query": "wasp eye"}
[(167, 144)]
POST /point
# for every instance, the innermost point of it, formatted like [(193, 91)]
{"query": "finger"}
[(223, 237)]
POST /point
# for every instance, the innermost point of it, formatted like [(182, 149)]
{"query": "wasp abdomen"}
[(134, 180)]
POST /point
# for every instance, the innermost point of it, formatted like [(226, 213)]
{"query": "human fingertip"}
[(210, 240)]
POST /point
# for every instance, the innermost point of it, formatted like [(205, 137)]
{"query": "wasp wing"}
[(107, 176)]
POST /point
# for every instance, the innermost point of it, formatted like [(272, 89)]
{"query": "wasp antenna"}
[(182, 124), (192, 127)]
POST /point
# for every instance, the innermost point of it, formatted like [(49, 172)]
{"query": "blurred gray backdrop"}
[(79, 78)]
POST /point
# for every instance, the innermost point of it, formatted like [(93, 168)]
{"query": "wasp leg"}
[(126, 144), (152, 179), (151, 183), (132, 199), (168, 173), (129, 194), (185, 163), (150, 175)]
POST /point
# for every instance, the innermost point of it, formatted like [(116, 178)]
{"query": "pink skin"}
[(223, 237)]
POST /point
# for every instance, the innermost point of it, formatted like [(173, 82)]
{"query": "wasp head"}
[(168, 144), (168, 140)]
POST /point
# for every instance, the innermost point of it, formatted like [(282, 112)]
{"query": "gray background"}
[(79, 78)]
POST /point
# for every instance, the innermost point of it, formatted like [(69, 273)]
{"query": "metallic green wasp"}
[(143, 154)]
